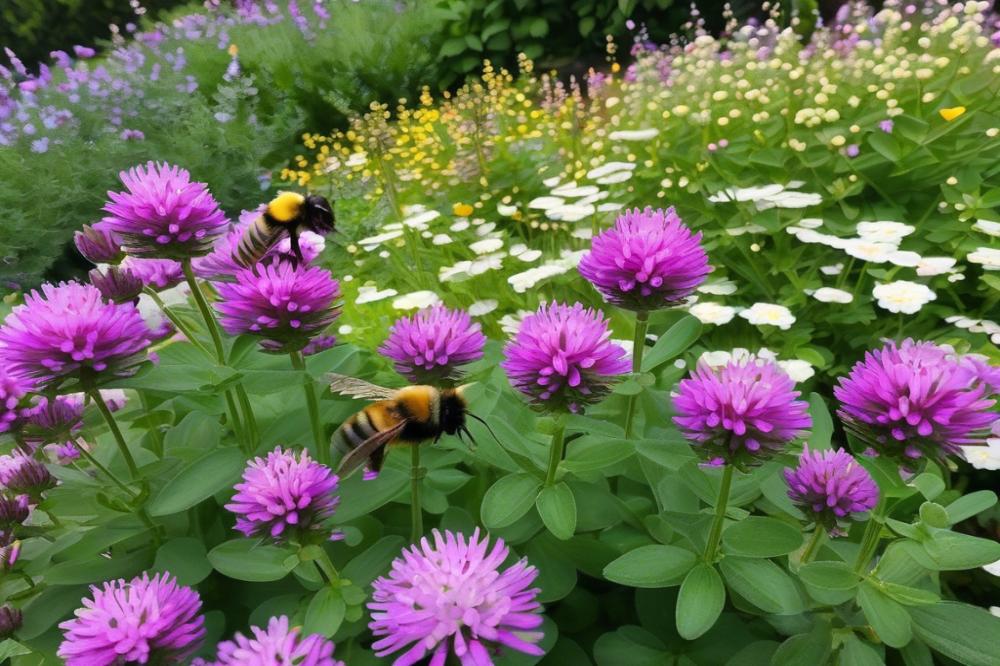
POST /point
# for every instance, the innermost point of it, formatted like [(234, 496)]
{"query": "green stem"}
[(813, 546), (178, 323), (638, 347), (154, 432), (416, 510), (556, 450), (253, 433), (715, 535), (869, 542), (133, 470), (312, 403), (106, 472), (326, 568)]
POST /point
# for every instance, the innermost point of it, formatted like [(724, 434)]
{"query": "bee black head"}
[(453, 408), (318, 214)]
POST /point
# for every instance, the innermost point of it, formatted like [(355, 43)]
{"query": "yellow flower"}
[(952, 113), (462, 209), (233, 50)]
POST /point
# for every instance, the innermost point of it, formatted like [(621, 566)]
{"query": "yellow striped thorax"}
[(286, 206)]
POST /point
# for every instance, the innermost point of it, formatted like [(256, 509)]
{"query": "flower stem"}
[(813, 546), (416, 510), (325, 566), (638, 347), (869, 542), (556, 450), (106, 472), (178, 323), (312, 403), (715, 535), (156, 438), (133, 470), (253, 434)]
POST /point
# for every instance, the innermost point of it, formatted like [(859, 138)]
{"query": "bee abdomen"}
[(259, 237), (353, 432)]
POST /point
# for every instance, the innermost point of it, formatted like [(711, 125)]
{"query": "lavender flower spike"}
[(431, 345), (829, 486)]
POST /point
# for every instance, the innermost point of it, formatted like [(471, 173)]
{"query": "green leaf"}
[(671, 344), (885, 145), (185, 558), (592, 454), (557, 508), (953, 552), (965, 633), (200, 480), (250, 560), (96, 569), (909, 596), (855, 652), (758, 536), (887, 618), (50, 606), (651, 566), (929, 485), (538, 27), (700, 602), (452, 47), (829, 575), (933, 515), (970, 505), (811, 648), (822, 423), (11, 648), (374, 561), (508, 499), (325, 613), (763, 583)]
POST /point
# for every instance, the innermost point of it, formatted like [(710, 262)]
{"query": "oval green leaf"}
[(184, 558), (758, 536), (700, 601), (325, 613), (763, 583), (557, 508), (200, 480), (829, 575), (508, 499), (249, 560), (887, 618), (672, 344), (651, 566)]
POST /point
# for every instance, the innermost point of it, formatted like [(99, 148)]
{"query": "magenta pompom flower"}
[(13, 388), (116, 284), (98, 245), (163, 214), (741, 412), (431, 345), (278, 644), (14, 510), (829, 486), (156, 274), (917, 399), (284, 303), (648, 260), (142, 621), (452, 598), (69, 330), (284, 494), (561, 357), (21, 473), (52, 420)]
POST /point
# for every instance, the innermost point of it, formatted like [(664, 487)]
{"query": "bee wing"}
[(365, 449), (358, 388)]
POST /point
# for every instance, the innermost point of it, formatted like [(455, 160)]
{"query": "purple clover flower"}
[(452, 598), (278, 644), (10, 621), (158, 274), (13, 388), (14, 510), (917, 399), (142, 621), (69, 330), (21, 473), (52, 421), (319, 344), (432, 344), (829, 486), (284, 494), (648, 260), (284, 303), (163, 214), (741, 412), (561, 357), (117, 284), (886, 126), (98, 245)]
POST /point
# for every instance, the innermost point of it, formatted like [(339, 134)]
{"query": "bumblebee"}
[(289, 212), (409, 415)]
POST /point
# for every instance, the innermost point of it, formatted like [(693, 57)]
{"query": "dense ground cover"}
[(719, 320)]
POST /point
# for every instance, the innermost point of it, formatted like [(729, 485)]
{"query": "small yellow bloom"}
[(952, 113), (615, 67), (462, 209), (233, 50)]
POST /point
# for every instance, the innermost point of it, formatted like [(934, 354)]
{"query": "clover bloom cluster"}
[(829, 486), (648, 260), (21, 473), (431, 345), (562, 358), (13, 388), (284, 303), (452, 598), (163, 213), (278, 644), (52, 421), (142, 621), (156, 274), (98, 245), (283, 494), (741, 412), (917, 399), (117, 284), (70, 330)]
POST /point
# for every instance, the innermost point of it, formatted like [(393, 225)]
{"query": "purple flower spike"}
[(69, 330), (156, 274), (284, 303), (117, 284), (98, 245), (452, 598), (829, 486), (21, 473), (648, 260), (278, 644), (13, 388), (741, 412), (163, 214), (917, 399), (284, 494), (562, 358), (431, 345), (142, 621)]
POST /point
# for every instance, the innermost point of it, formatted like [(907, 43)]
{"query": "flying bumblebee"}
[(289, 212), (409, 415)]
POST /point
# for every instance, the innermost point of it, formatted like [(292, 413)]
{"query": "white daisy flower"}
[(416, 300), (627, 345), (993, 568), (718, 287), (570, 212), (594, 198), (616, 177), (486, 245), (876, 253), (506, 210), (572, 191), (511, 323), (928, 266), (583, 234), (529, 255), (769, 314), (461, 225), (441, 239), (988, 227), (484, 229), (790, 200), (634, 135), (746, 193), (715, 359), (987, 256), (545, 203), (903, 296), (797, 369), (810, 223), (373, 242), (346, 329), (884, 231), (747, 229), (831, 295), (384, 254), (610, 207), (551, 182), (479, 308), (609, 168), (369, 294), (357, 159), (712, 313), (984, 457), (420, 220), (905, 258), (833, 269), (812, 236)]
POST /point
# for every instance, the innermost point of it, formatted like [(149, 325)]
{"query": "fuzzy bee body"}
[(289, 212)]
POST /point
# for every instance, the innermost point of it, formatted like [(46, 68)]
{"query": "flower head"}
[(70, 330), (319, 344), (284, 303), (561, 356), (829, 486), (430, 345), (917, 399), (117, 284), (284, 494), (278, 644), (769, 314), (163, 214), (21, 473), (13, 388), (98, 245), (648, 260), (155, 273), (8, 555), (14, 510), (452, 598), (142, 621), (740, 412), (10, 621)]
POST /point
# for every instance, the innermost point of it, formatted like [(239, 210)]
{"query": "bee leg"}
[(293, 236)]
